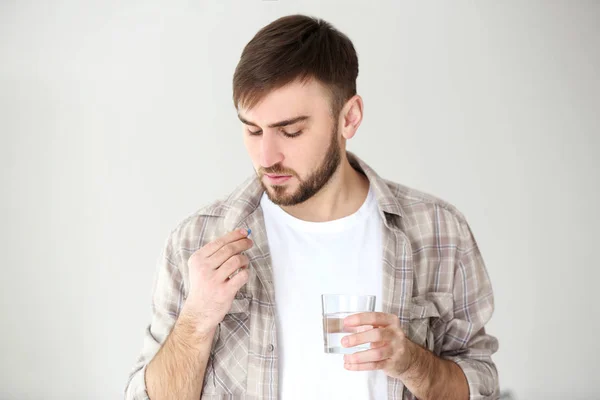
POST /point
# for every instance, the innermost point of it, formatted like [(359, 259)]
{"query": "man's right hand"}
[(211, 289)]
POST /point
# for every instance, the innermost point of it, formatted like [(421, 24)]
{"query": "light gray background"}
[(116, 122)]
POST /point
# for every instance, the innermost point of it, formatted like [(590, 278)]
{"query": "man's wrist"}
[(194, 326), (421, 368), (431, 377)]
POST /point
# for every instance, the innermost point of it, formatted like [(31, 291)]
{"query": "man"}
[(238, 315)]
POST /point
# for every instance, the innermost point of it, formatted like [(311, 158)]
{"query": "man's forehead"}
[(290, 101), (267, 112)]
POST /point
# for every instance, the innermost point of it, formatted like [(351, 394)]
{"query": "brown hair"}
[(296, 47)]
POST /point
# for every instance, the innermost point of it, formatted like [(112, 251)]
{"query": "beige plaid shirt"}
[(435, 281)]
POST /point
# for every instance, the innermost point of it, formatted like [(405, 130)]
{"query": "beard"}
[(308, 187)]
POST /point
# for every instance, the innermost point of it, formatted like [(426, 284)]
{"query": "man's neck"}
[(343, 195)]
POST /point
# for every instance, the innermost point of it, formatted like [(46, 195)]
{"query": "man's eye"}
[(284, 133), (291, 135)]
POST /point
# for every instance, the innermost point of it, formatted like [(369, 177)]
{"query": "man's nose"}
[(270, 153)]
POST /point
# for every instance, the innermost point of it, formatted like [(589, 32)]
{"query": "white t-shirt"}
[(313, 258)]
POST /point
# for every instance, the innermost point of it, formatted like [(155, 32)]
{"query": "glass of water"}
[(336, 307)]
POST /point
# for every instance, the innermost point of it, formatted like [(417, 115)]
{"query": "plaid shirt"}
[(435, 281)]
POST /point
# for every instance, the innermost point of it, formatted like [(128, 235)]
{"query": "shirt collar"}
[(245, 199)]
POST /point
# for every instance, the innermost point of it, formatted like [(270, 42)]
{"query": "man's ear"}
[(351, 116)]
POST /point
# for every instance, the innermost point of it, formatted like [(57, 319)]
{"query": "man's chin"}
[(278, 194)]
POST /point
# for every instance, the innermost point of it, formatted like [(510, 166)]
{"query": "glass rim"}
[(347, 295)]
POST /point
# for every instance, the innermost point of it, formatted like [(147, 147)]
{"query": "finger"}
[(370, 336), (371, 318), (368, 366), (228, 251), (214, 246), (238, 280), (374, 354), (230, 266), (375, 345)]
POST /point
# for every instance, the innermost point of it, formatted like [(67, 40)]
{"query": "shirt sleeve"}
[(465, 340), (167, 300)]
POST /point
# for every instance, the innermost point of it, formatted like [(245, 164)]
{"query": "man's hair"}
[(296, 47)]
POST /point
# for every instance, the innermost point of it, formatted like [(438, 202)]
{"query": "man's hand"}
[(178, 368), (391, 351), (213, 284), (422, 372)]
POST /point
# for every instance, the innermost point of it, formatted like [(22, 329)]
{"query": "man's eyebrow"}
[(279, 124)]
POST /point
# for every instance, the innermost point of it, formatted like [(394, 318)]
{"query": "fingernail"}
[(345, 342)]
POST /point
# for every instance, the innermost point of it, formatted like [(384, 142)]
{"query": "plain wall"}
[(116, 122)]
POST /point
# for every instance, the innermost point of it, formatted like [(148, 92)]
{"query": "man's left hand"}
[(391, 351)]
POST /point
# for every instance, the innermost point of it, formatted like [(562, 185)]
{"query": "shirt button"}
[(270, 348)]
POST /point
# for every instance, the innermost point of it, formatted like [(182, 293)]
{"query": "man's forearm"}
[(177, 371), (431, 377)]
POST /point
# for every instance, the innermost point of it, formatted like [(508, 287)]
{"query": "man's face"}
[(293, 141)]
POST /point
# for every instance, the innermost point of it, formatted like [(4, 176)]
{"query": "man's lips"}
[(277, 179)]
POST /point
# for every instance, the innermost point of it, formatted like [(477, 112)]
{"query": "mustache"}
[(276, 169)]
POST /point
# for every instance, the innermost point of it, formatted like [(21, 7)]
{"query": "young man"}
[(238, 315)]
